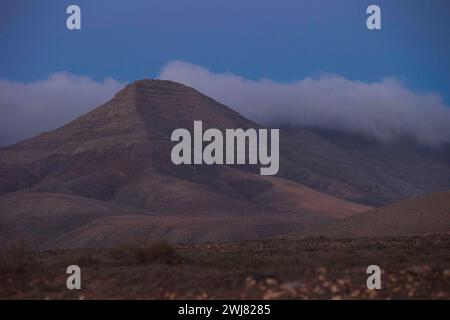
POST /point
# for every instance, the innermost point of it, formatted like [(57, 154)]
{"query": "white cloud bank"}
[(384, 110), (27, 109)]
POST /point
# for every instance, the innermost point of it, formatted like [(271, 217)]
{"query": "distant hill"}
[(421, 215)]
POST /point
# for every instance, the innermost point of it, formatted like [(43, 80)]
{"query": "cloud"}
[(27, 109), (385, 110)]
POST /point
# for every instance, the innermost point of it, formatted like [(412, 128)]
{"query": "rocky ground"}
[(415, 267)]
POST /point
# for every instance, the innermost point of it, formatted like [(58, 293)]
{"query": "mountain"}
[(420, 215), (107, 176)]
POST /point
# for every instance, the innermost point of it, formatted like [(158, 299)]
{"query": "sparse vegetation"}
[(145, 252), (18, 259), (314, 268)]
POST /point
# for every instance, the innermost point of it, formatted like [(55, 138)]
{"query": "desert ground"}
[(413, 267)]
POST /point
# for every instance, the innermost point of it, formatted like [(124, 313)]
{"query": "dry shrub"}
[(146, 252), (19, 259), (82, 258)]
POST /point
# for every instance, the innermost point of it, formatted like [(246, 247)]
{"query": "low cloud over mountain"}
[(384, 110), (27, 109)]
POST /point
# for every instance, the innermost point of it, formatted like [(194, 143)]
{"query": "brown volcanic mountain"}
[(107, 176)]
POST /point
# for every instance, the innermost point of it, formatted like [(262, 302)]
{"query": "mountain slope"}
[(364, 170)]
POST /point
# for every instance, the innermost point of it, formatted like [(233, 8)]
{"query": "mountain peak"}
[(149, 86), (166, 105)]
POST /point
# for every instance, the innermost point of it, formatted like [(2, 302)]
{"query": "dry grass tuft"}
[(18, 259), (146, 252)]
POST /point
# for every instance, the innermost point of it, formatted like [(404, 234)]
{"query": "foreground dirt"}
[(317, 268)]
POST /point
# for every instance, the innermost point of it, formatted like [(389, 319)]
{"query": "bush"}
[(18, 259), (147, 252)]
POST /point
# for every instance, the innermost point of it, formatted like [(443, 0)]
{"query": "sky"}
[(282, 42)]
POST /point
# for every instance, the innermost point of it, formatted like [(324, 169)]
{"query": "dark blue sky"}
[(280, 40)]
